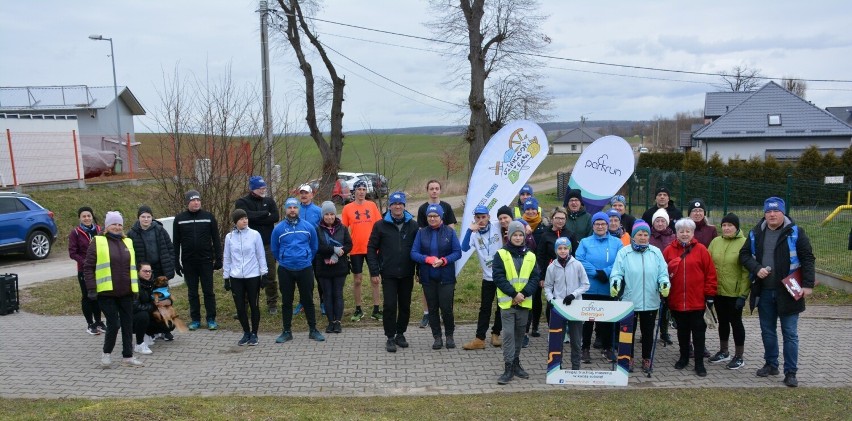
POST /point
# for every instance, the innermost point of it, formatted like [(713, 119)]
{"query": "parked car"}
[(340, 194), (25, 226), (643, 150), (380, 183), (376, 183)]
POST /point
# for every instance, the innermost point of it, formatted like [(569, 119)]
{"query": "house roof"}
[(717, 104), (843, 114), (798, 118), (578, 135), (72, 97)]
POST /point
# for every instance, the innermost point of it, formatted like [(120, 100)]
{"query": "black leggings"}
[(690, 323), (247, 290), (536, 311), (331, 292), (288, 281), (730, 318), (145, 324), (119, 314), (647, 321), (91, 309)]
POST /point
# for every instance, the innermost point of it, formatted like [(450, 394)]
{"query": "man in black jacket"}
[(196, 234), (262, 215), (663, 200), (775, 249), (389, 260)]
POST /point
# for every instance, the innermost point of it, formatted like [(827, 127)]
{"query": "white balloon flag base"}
[(507, 162)]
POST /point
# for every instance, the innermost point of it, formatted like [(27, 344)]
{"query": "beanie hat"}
[(437, 209), (531, 203), (662, 189), (113, 217), (397, 197), (612, 212), (85, 209), (695, 204), (505, 210), (144, 209), (256, 182), (732, 219), (774, 203), (617, 198), (516, 226), (238, 214), (526, 189), (561, 241), (328, 207), (480, 210), (600, 216), (640, 225), (574, 194), (660, 213), (360, 183), (291, 202), (192, 195)]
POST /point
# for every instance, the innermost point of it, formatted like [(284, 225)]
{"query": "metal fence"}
[(809, 199)]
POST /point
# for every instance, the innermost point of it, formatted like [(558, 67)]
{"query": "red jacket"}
[(78, 244), (693, 276)]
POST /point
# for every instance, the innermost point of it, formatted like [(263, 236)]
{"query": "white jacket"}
[(560, 281), (244, 256), (486, 246)]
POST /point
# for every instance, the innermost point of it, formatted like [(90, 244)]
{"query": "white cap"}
[(306, 187)]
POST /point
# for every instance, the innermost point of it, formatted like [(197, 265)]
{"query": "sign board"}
[(601, 170), (835, 179)]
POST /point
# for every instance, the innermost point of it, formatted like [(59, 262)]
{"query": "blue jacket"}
[(598, 253), (311, 213), (438, 242), (294, 245), (643, 273)]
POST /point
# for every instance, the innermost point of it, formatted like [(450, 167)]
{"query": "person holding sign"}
[(566, 281), (516, 275), (777, 248)]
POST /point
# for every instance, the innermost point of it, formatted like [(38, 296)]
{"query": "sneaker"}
[(666, 339), (390, 345), (212, 325), (194, 325), (377, 315), (338, 327), (322, 308), (790, 380), (767, 370), (476, 343), (646, 365), (535, 333), (451, 343), (100, 326), (357, 315), (244, 340), (168, 337), (149, 340), (252, 339), (316, 335), (586, 356), (400, 340), (329, 328), (720, 357), (297, 309), (736, 363), (284, 337), (106, 360), (526, 341), (132, 362), (438, 344), (608, 355), (700, 370), (273, 310), (681, 363), (424, 321), (93, 330), (143, 349)]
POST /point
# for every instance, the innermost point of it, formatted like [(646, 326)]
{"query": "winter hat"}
[(617, 198), (695, 204), (306, 187), (291, 202), (612, 212), (733, 219), (360, 183), (574, 194), (505, 210), (397, 197), (238, 214), (774, 203), (144, 209), (256, 182), (437, 209), (113, 217), (660, 213), (531, 203), (662, 189), (328, 207), (561, 241), (600, 216), (526, 189), (640, 225), (192, 195), (480, 210), (516, 226), (85, 209)]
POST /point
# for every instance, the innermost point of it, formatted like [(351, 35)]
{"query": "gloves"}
[(92, 295), (338, 251), (613, 290), (430, 260), (227, 284), (665, 287), (217, 264), (740, 303), (601, 276), (568, 299), (264, 281), (179, 269), (709, 301)]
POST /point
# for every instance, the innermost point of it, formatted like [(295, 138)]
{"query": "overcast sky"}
[(45, 43)]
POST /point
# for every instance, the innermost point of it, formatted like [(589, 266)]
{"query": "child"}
[(565, 281), (514, 261)]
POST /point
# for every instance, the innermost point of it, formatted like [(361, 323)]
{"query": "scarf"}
[(533, 221), (116, 236), (562, 261), (91, 231), (638, 247), (617, 233), (330, 228)]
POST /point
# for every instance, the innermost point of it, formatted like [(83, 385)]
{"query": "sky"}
[(46, 43)]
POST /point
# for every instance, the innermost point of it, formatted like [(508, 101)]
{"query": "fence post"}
[(12, 158), (788, 200), (682, 199), (76, 156), (725, 196), (129, 155)]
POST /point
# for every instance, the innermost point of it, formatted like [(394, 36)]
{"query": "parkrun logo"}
[(521, 150), (591, 311), (601, 164)]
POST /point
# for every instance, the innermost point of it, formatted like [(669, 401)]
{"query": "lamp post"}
[(114, 83)]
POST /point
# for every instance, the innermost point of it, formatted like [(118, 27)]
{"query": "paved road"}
[(51, 357), (58, 265)]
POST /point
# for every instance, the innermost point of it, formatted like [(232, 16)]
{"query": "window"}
[(774, 119), (573, 148)]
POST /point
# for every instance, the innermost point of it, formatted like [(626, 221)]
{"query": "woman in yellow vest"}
[(516, 277), (111, 278)]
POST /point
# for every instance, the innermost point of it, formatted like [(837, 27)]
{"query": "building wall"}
[(747, 148), (43, 151), (568, 148)]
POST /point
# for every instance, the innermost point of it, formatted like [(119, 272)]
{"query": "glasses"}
[(558, 218), (601, 224)]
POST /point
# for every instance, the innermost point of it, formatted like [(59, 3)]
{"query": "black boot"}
[(507, 375), (518, 370), (699, 365), (438, 344), (683, 361)]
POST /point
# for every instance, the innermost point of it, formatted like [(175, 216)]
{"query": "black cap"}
[(733, 219), (662, 189)]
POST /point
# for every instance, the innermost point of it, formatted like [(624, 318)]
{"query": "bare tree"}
[(740, 79), (383, 159), (451, 161), (796, 86), (492, 35), (515, 96)]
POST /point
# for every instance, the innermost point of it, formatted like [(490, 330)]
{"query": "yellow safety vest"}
[(518, 282), (519, 212), (103, 273)]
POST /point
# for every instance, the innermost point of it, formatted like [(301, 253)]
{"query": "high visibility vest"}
[(517, 281), (103, 273), (520, 212)]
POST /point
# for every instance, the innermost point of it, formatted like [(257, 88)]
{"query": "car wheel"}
[(38, 245)]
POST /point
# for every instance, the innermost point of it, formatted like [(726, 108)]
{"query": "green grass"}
[(653, 404)]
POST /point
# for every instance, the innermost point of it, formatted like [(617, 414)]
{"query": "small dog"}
[(166, 313)]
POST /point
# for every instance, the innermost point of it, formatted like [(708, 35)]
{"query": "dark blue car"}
[(25, 226)]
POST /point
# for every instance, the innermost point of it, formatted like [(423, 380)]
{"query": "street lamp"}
[(114, 83)]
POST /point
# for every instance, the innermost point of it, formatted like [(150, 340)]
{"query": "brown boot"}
[(496, 341), (476, 343)]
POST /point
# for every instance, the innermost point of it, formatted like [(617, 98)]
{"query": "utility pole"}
[(267, 93)]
